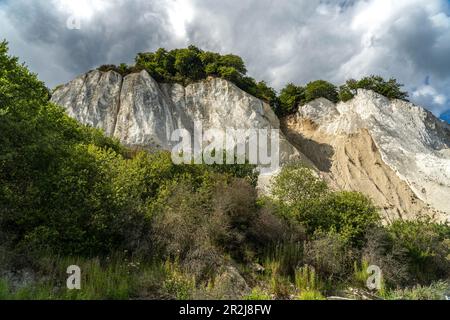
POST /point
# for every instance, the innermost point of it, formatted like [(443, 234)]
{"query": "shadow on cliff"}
[(321, 154)]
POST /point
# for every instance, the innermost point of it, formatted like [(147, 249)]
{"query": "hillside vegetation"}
[(193, 64), (141, 227)]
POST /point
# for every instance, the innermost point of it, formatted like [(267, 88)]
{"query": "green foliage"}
[(290, 98), (266, 93), (426, 248), (311, 295), (191, 64), (345, 93), (176, 283), (331, 256), (306, 198), (350, 214), (321, 89), (217, 65), (390, 88), (297, 183), (308, 284), (20, 90), (114, 279), (188, 64), (198, 226), (123, 69), (257, 294), (435, 291), (360, 273)]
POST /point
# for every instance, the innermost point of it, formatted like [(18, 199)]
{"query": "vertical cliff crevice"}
[(119, 104)]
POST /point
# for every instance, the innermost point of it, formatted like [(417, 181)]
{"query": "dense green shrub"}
[(290, 98), (330, 255), (410, 252), (390, 88), (306, 198), (350, 214), (345, 93), (191, 64), (266, 93), (188, 64), (57, 183), (297, 183), (379, 250), (426, 247), (435, 291), (321, 89), (42, 150)]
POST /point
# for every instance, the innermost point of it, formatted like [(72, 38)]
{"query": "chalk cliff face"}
[(393, 151), (141, 112)]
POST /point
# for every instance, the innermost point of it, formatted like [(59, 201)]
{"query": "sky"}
[(281, 41)]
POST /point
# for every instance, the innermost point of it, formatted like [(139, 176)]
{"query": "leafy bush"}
[(290, 98), (345, 93), (426, 247), (331, 257), (350, 214), (51, 172), (303, 196), (410, 252), (199, 226), (390, 88), (379, 250), (297, 183), (269, 229), (435, 291), (188, 64), (321, 89)]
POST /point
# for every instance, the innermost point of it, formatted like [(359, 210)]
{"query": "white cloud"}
[(81, 8), (180, 14)]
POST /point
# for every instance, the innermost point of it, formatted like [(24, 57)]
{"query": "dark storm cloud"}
[(281, 41)]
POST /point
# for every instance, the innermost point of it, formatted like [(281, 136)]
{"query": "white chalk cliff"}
[(141, 112), (393, 151)]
